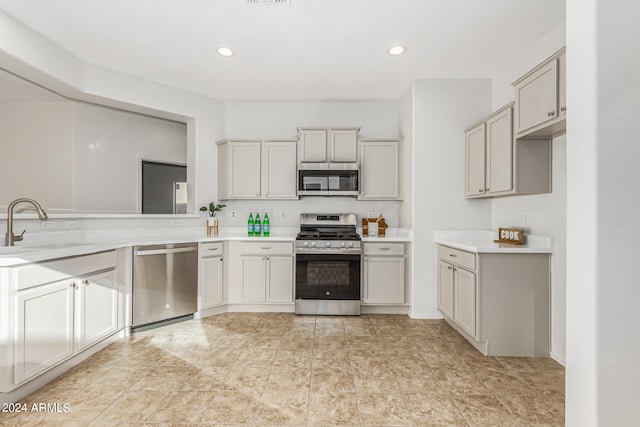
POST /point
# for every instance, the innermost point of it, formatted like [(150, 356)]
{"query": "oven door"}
[(328, 276)]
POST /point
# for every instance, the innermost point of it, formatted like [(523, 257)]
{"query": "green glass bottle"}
[(256, 226), (250, 225), (265, 225)]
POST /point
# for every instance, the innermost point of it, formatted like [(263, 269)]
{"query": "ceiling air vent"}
[(269, 2)]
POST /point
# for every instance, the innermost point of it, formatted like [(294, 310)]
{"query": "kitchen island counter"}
[(482, 241)]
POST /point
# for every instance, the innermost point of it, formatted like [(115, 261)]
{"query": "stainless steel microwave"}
[(328, 179)]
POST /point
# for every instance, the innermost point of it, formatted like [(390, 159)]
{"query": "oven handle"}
[(316, 255)]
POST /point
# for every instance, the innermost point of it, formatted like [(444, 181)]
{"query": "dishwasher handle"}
[(164, 251)]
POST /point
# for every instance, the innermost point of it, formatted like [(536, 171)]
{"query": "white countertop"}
[(47, 246), (391, 235), (481, 241)]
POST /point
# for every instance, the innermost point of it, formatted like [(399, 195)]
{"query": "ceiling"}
[(292, 49)]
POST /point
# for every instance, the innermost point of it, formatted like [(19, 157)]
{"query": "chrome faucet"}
[(10, 238)]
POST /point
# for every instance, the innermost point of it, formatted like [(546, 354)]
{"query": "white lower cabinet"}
[(383, 274), (44, 329), (498, 301), (97, 308), (457, 296), (266, 271), (57, 319), (210, 277), (464, 299)]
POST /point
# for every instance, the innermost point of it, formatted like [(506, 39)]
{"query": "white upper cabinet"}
[(257, 170), (328, 145), (313, 145), (343, 145), (540, 99), (379, 170), (475, 161), (279, 171), (496, 164)]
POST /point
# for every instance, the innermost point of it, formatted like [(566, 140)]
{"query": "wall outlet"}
[(234, 214), (47, 225), (176, 222), (283, 215), (72, 224), (525, 217)]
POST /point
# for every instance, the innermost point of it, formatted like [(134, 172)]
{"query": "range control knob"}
[(313, 244), (343, 244), (328, 244), (306, 244)]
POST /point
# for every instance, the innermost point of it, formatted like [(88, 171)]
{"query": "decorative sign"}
[(511, 236)]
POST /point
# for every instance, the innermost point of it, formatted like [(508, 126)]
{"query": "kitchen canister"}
[(373, 229)]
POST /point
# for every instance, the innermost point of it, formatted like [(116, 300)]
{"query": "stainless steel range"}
[(328, 265)]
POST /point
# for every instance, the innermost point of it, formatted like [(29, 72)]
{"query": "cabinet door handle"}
[(563, 108), (85, 282), (73, 285), (480, 190), (551, 113), (453, 255), (449, 268), (486, 189)]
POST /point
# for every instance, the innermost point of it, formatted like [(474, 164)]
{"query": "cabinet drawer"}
[(386, 249), (51, 271), (456, 256), (264, 248), (210, 249)]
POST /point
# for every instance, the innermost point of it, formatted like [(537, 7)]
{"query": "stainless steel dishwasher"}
[(165, 282)]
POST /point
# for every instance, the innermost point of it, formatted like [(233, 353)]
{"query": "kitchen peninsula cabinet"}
[(498, 301), (379, 170), (541, 98), (496, 164), (61, 308), (328, 145), (257, 170), (383, 274)]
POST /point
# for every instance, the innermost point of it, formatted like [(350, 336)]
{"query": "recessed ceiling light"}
[(396, 50), (225, 51)]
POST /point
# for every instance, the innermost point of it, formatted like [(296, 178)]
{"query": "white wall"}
[(36, 160), (272, 120), (442, 109), (603, 208), (551, 42), (108, 147), (546, 212)]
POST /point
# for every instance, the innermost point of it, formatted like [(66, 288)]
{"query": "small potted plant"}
[(212, 221)]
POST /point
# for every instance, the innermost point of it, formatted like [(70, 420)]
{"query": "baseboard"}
[(432, 316), (383, 309), (558, 358)]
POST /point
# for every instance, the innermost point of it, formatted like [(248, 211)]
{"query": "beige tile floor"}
[(280, 369)]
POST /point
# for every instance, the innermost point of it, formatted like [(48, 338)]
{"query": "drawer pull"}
[(453, 255), (385, 249), (265, 247), (212, 249)]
